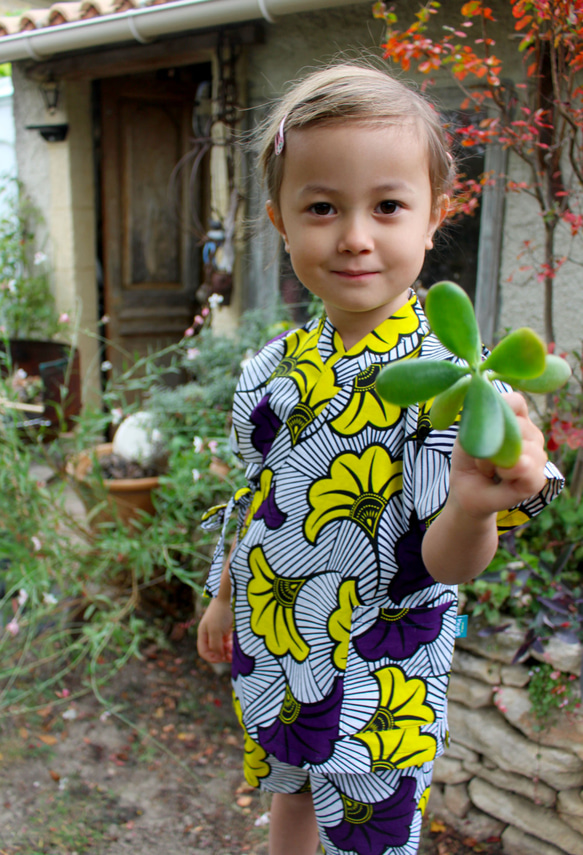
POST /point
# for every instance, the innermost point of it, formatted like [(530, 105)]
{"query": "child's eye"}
[(322, 209), (389, 207)]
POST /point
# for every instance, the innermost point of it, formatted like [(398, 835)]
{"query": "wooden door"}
[(151, 263)]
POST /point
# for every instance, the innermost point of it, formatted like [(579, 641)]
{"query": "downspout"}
[(146, 24)]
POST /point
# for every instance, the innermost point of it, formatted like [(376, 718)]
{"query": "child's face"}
[(356, 215)]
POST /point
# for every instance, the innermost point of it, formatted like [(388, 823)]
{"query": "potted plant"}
[(30, 324)]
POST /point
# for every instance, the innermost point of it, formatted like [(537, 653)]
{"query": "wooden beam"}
[(132, 59)]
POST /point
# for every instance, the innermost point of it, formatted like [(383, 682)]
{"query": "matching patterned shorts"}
[(376, 814)]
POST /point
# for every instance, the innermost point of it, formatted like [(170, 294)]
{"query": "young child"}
[(338, 603)]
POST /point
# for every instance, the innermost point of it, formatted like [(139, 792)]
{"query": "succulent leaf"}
[(521, 354), (410, 381), (447, 404), (556, 373), (451, 316), (511, 448), (481, 431)]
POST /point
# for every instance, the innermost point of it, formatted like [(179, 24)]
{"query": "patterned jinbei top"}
[(343, 641)]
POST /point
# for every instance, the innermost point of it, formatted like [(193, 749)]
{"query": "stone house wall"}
[(503, 775)]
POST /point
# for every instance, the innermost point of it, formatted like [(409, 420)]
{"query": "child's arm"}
[(215, 630), (462, 541)]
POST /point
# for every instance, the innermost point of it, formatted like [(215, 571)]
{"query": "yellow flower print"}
[(309, 408), (254, 766), (272, 600), (340, 621), (301, 362), (511, 519), (365, 406), (259, 497), (393, 735), (423, 800), (403, 323), (359, 488)]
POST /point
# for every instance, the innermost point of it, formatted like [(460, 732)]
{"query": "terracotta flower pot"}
[(127, 496)]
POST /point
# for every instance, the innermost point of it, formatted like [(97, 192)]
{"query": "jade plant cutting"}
[(488, 427)]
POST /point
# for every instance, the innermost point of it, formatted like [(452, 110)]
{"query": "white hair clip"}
[(279, 138)]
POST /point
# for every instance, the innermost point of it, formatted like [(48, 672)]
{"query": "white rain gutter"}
[(147, 24)]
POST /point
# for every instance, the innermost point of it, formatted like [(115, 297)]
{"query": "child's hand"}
[(215, 632), (480, 489)]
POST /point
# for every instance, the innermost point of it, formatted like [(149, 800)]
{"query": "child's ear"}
[(438, 216), (276, 219)]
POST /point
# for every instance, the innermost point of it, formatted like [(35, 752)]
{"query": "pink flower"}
[(13, 627), (213, 445), (189, 332), (192, 352), (198, 319), (36, 543), (64, 318), (205, 312)]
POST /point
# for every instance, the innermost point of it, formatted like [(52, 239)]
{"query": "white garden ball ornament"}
[(137, 440)]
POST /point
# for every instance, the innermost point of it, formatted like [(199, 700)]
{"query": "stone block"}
[(487, 732), (514, 675), (536, 791), (566, 731), (449, 771), (457, 800), (565, 657), (460, 752), (570, 808), (523, 814), (477, 667), (469, 692), (501, 647), (515, 842), (473, 824)]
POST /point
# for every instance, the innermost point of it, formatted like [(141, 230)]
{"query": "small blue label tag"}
[(461, 626)]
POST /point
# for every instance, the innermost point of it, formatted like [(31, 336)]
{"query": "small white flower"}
[(213, 445), (215, 300), (11, 285), (22, 597), (105, 319), (36, 543), (104, 716), (263, 819), (195, 475), (63, 784), (13, 627), (197, 444), (49, 599), (70, 714), (116, 415), (21, 374), (39, 257), (192, 353), (106, 365)]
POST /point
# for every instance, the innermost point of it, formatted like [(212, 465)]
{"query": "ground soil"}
[(160, 775)]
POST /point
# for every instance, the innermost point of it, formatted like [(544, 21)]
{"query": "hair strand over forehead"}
[(359, 93)]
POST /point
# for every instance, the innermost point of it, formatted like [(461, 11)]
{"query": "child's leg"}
[(293, 829)]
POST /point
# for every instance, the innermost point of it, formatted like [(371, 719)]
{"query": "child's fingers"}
[(527, 476)]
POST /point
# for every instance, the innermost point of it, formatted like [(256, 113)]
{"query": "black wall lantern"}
[(50, 90)]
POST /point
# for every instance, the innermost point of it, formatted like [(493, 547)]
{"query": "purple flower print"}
[(304, 733), (241, 663), (399, 633), (270, 513), (267, 424), (412, 575), (374, 828)]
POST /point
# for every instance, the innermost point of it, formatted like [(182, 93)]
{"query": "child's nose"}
[(355, 236)]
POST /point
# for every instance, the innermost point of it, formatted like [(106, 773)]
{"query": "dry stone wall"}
[(503, 775)]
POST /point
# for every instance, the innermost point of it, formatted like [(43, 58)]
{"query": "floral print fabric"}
[(343, 641)]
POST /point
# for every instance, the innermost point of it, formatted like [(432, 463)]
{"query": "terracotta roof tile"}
[(68, 12)]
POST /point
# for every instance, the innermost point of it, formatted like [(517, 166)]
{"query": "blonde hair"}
[(358, 93)]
